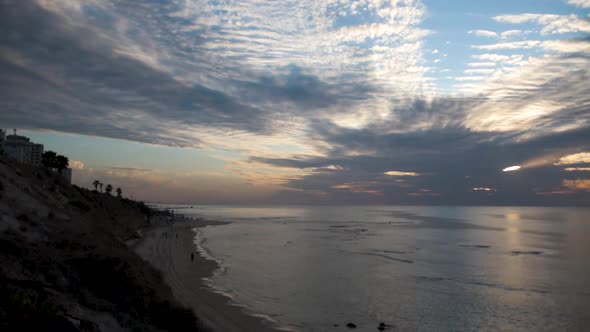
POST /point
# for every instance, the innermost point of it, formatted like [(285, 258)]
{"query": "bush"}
[(80, 205), (20, 311)]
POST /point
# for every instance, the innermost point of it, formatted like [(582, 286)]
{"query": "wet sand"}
[(169, 249)]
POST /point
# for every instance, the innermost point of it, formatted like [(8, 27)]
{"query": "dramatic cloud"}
[(310, 101), (461, 163), (168, 73), (577, 158)]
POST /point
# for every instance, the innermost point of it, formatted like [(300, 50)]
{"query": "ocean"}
[(426, 268)]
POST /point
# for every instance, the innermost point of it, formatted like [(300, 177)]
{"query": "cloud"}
[(178, 73), (552, 23), (577, 169), (76, 165), (509, 46), (513, 33), (536, 96), (498, 57), (561, 46), (332, 101), (479, 71), (486, 189), (469, 78), (568, 46), (456, 159), (130, 169), (111, 95), (577, 158), (503, 35), (578, 184), (481, 64), (484, 33), (400, 173), (580, 3)]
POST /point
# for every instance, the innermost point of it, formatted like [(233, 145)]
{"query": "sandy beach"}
[(169, 248)]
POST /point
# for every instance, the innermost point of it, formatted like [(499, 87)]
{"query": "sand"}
[(171, 254)]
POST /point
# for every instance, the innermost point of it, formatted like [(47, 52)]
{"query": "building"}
[(66, 173), (22, 149), (36, 153), (2, 138)]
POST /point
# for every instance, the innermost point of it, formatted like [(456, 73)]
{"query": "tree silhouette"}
[(49, 159), (100, 185), (119, 192), (109, 188), (61, 163), (95, 184)]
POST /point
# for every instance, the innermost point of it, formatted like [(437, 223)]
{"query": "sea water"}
[(415, 268)]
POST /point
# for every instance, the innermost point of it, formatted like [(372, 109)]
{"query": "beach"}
[(169, 248)]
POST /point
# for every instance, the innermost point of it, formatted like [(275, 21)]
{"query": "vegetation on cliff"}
[(65, 264)]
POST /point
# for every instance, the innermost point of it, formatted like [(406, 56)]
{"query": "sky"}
[(307, 102)]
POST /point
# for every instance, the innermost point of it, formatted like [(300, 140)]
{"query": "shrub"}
[(26, 311), (23, 217), (80, 205)]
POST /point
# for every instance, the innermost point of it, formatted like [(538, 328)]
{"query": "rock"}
[(351, 325)]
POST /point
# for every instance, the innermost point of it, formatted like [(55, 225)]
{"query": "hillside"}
[(64, 264)]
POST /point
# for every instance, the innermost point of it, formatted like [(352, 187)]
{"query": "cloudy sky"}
[(307, 101)]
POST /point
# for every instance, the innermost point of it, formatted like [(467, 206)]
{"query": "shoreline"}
[(168, 248)]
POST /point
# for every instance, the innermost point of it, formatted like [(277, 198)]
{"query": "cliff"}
[(65, 265)]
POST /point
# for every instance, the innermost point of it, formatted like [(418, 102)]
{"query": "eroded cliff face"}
[(64, 264)]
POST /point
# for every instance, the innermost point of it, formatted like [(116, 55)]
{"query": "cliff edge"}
[(64, 264)]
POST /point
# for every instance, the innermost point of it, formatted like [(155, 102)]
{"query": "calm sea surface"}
[(418, 268)]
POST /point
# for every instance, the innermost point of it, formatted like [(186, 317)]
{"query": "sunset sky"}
[(311, 101)]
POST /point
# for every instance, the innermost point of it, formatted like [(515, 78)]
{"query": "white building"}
[(22, 149)]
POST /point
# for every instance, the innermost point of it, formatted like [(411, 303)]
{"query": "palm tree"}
[(100, 185), (119, 192), (109, 188), (95, 184)]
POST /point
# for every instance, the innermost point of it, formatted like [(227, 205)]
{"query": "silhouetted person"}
[(192, 256)]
